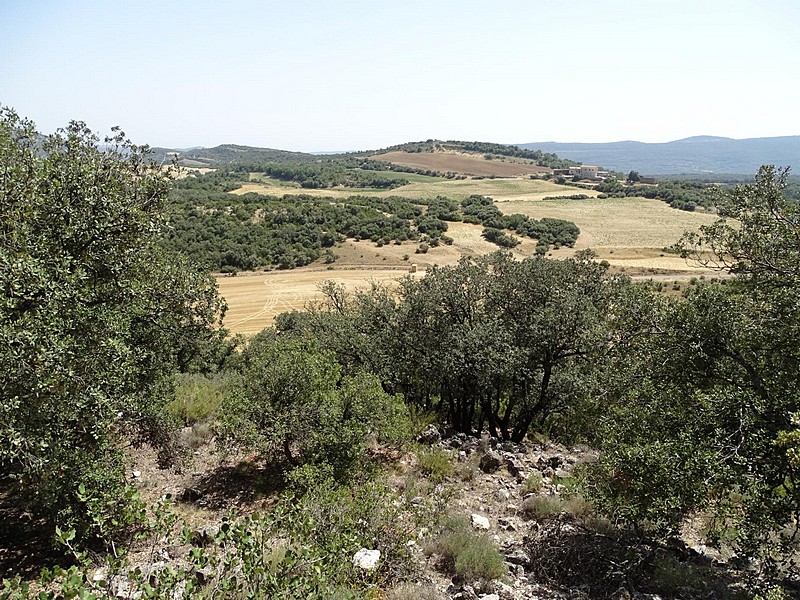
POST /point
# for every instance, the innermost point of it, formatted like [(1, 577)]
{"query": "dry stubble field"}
[(628, 232), (522, 188), (255, 299)]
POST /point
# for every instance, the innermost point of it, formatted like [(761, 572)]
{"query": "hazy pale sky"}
[(344, 75)]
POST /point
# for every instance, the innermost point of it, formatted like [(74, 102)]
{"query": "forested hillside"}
[(227, 154)]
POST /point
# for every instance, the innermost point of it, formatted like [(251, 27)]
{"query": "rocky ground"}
[(520, 495)]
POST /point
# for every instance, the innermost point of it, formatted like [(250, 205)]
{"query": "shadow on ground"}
[(234, 486), (26, 545)]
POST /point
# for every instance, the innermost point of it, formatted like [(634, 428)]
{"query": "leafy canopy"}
[(94, 317)]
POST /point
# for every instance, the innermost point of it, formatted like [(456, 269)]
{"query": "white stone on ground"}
[(480, 522), (366, 559)]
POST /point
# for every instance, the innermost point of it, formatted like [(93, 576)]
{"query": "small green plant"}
[(197, 396), (571, 485), (465, 552), (466, 470), (773, 593), (480, 560), (538, 507), (436, 463), (533, 484)]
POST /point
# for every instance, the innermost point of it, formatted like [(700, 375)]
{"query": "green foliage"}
[(773, 593), (756, 236), (490, 342), (533, 484), (94, 320), (252, 231), (557, 232), (703, 389), (291, 402), (684, 195), (226, 154), (197, 397), (330, 174), (302, 549), (467, 553), (543, 159), (538, 507), (498, 237), (435, 463)]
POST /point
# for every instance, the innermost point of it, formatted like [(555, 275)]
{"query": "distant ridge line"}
[(696, 155)]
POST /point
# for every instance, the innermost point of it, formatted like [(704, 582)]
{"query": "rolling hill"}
[(228, 153), (700, 155)]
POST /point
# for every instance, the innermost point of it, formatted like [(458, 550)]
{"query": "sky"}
[(309, 75)]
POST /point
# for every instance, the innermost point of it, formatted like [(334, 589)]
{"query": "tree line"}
[(683, 195), (543, 159), (258, 231)]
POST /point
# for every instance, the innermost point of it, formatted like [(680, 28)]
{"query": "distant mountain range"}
[(700, 155)]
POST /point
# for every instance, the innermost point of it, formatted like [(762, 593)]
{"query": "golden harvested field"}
[(628, 232), (467, 164), (254, 300), (499, 189)]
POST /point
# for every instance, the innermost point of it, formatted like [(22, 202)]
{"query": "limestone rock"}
[(490, 462), (430, 435), (366, 559), (480, 522)]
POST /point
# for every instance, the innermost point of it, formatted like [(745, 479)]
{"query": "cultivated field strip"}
[(256, 299)]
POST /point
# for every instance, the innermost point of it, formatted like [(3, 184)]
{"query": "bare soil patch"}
[(466, 164)]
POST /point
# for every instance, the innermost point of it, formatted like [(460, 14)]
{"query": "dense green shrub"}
[(498, 237), (329, 174), (704, 389), (291, 403), (435, 463), (94, 321), (684, 195), (490, 342), (197, 397)]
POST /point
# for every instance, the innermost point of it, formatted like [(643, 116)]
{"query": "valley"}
[(629, 233)]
